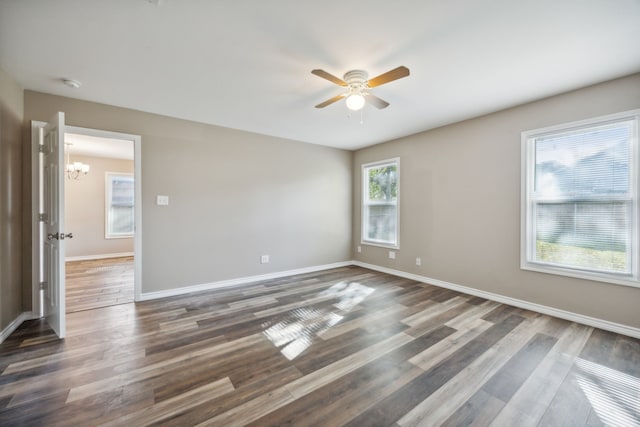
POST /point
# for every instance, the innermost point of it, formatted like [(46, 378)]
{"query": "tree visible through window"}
[(380, 203), (581, 195), (119, 209)]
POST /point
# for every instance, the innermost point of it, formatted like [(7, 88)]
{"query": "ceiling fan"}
[(357, 84)]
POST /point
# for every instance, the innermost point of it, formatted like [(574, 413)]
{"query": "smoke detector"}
[(72, 83)]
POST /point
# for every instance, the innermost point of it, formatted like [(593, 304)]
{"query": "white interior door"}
[(53, 236)]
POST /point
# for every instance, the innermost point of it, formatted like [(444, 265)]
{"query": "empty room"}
[(356, 213)]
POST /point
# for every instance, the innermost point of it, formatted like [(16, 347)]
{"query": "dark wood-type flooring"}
[(347, 346), (98, 283)]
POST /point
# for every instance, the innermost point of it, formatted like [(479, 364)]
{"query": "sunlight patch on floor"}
[(296, 333), (614, 395)]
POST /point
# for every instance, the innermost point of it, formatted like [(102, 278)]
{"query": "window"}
[(580, 199), (380, 192), (119, 205)]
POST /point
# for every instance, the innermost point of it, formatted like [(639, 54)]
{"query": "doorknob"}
[(59, 236)]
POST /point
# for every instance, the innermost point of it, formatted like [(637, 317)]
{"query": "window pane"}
[(382, 223), (383, 183), (120, 219), (589, 162), (122, 191), (581, 199), (594, 236), (380, 202)]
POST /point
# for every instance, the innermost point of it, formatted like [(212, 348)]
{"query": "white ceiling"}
[(86, 145), (246, 64)]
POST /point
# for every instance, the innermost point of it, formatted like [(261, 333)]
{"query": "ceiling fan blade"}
[(330, 77), (376, 102), (330, 101), (389, 76)]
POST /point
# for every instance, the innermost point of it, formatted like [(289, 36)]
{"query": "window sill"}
[(128, 236), (380, 245), (622, 280)]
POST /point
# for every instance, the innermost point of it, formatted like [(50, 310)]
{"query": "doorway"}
[(99, 211), (98, 266)]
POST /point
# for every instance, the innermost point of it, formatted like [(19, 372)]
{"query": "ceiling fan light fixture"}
[(355, 101)]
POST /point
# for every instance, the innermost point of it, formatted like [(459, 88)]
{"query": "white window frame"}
[(527, 236), (107, 204), (365, 202)]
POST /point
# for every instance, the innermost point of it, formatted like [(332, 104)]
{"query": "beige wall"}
[(460, 204), (11, 115), (233, 196), (85, 209)]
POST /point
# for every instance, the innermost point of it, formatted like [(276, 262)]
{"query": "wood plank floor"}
[(347, 346), (98, 283)]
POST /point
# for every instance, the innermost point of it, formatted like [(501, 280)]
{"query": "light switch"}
[(162, 200)]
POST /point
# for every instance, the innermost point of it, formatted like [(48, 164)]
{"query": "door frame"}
[(36, 127)]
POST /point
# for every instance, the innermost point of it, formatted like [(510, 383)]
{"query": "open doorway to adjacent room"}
[(99, 210)]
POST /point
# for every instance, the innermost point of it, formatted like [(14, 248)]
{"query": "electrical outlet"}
[(392, 254), (264, 259), (359, 249), (418, 261)]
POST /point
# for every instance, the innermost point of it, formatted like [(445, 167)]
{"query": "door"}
[(53, 236)]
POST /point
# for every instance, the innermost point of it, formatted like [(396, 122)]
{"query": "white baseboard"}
[(240, 281), (551, 311), (99, 256), (27, 315)]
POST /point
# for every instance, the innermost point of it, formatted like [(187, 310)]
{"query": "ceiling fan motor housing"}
[(356, 80)]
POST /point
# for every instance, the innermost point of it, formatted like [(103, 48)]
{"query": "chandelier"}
[(76, 169)]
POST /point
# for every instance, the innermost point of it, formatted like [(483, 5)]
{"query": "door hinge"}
[(43, 217), (42, 285), (42, 149)]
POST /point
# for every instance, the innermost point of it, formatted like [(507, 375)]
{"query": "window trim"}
[(107, 198), (364, 196), (527, 244)]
